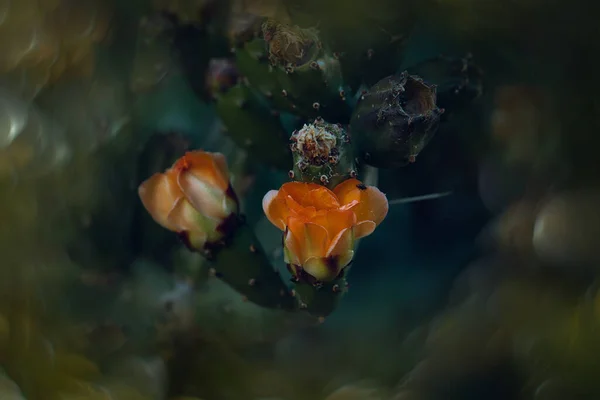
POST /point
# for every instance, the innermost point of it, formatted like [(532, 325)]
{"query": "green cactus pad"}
[(252, 125), (252, 62), (322, 154), (243, 265), (394, 121), (312, 79)]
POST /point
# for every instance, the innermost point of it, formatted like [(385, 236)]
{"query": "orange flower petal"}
[(316, 240), (275, 209), (340, 253), (206, 167), (318, 268), (159, 195), (310, 195), (334, 221), (311, 239), (206, 198), (364, 228), (342, 248), (187, 219), (320, 198), (221, 164), (373, 206), (348, 191), (292, 248), (296, 209), (296, 189)]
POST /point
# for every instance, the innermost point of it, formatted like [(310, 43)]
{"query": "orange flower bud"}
[(321, 225), (193, 197)]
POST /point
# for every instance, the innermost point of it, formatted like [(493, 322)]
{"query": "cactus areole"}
[(322, 154)]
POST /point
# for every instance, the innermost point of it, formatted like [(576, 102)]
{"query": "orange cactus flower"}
[(321, 225), (193, 197)]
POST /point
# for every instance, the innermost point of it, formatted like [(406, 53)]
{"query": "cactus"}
[(194, 198), (313, 77), (322, 299), (279, 72), (241, 262), (395, 120), (322, 154), (290, 66), (251, 125), (252, 63)]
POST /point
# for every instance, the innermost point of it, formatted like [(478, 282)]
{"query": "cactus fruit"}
[(458, 81), (251, 125), (395, 120), (322, 154), (322, 299)]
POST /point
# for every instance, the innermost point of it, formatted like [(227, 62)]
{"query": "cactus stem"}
[(242, 263)]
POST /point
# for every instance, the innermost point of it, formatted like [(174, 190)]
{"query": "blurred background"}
[(485, 290)]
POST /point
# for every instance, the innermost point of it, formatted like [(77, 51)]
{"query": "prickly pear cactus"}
[(395, 120), (322, 154), (313, 77), (300, 98), (321, 300), (253, 126)]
